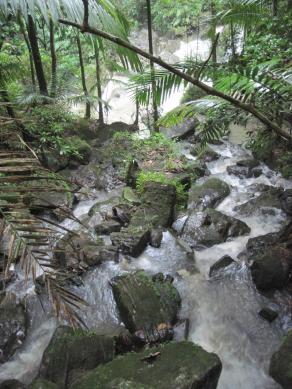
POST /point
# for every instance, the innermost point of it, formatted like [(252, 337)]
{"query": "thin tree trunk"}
[(150, 39), (83, 80), (32, 35), (25, 37), (136, 121), (98, 83), (274, 7), (194, 81), (53, 60), (213, 31), (289, 5)]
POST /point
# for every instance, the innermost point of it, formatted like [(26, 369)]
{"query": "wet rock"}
[(268, 314), (157, 209), (131, 240), (42, 384), (207, 195), (243, 171), (281, 363), (148, 307), (170, 366), (211, 227), (74, 349), (207, 155), (182, 130), (109, 253), (12, 384), (270, 269), (198, 168), (107, 227), (249, 163), (222, 263), (259, 244), (83, 150), (13, 326), (156, 236), (72, 251), (268, 199), (53, 160)]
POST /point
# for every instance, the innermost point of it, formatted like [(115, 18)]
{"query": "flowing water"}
[(223, 310)]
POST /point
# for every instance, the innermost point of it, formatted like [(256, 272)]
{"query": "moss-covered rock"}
[(180, 365), (182, 130), (207, 155), (281, 363), (146, 304), (12, 384), (131, 240), (270, 268), (208, 195), (130, 196), (211, 227), (74, 349), (82, 147), (222, 263)]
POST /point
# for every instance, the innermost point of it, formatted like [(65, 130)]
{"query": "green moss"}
[(42, 384), (179, 365), (82, 148), (192, 93)]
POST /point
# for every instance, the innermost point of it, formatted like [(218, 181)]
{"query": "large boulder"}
[(281, 363), (207, 195), (211, 227), (157, 209), (182, 130), (147, 306), (182, 365), (245, 168), (207, 155), (270, 269), (13, 326), (74, 349), (221, 264), (271, 198), (260, 244), (131, 240)]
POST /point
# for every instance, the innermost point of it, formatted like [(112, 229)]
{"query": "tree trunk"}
[(98, 83), (83, 80), (32, 72), (213, 31), (192, 80), (32, 35), (53, 60), (274, 7), (289, 5), (150, 39)]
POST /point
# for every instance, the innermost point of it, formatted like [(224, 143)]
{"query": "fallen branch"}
[(208, 89)]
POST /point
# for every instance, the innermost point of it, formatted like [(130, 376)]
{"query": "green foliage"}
[(285, 164), (261, 144), (148, 176), (48, 123), (192, 93)]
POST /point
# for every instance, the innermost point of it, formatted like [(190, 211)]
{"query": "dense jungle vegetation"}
[(65, 66)]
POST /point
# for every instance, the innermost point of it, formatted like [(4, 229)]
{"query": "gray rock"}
[(131, 240), (74, 349), (270, 269), (268, 314), (249, 163), (12, 384), (156, 236), (207, 155), (207, 195), (182, 130), (281, 363), (181, 365), (222, 263), (211, 227), (107, 227), (148, 307)]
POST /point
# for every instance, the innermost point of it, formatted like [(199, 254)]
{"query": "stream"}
[(223, 310)]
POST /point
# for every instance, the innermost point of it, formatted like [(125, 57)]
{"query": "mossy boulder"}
[(207, 155), (82, 147), (221, 264), (270, 269), (131, 240), (281, 363), (208, 195), (180, 365), (74, 349), (182, 130), (209, 227), (244, 171), (12, 384), (146, 304), (130, 196), (158, 203)]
